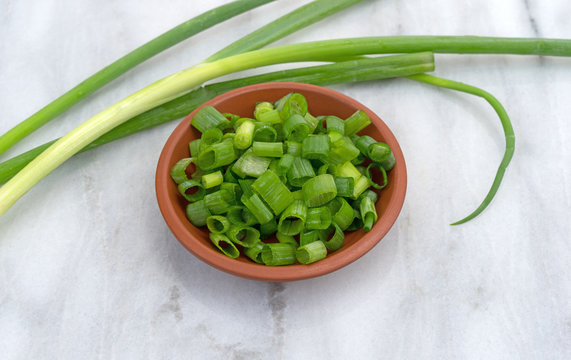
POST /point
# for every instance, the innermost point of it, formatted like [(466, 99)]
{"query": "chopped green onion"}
[(357, 221), (286, 239), (192, 190), (229, 176), (368, 213), (342, 150), (284, 164), (315, 147), (268, 149), (292, 104), (379, 152), (268, 229), (258, 208), (292, 220), (319, 190), (217, 224), (356, 122), (244, 135), (383, 173), (273, 192), (217, 155), (246, 186), (255, 252), (224, 244), (361, 185), (246, 236), (262, 108), (296, 128), (180, 171), (306, 237), (346, 170), (293, 148), (344, 215), (333, 237), (345, 186), (276, 254), (297, 195), (210, 137), (194, 147), (311, 121), (370, 194), (213, 179), (218, 202), (197, 213), (270, 117), (250, 165), (311, 252), (241, 216), (207, 118), (234, 190), (300, 171), (333, 123), (358, 160), (265, 133), (318, 218)]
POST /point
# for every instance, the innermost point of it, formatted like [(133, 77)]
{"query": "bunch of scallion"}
[(171, 97)]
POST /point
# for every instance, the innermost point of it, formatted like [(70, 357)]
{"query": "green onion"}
[(333, 123), (209, 118), (245, 236), (254, 252), (250, 165), (210, 137), (217, 224), (295, 128), (217, 155), (300, 171), (268, 229), (361, 185), (224, 244), (383, 173), (292, 104), (192, 190), (344, 214), (342, 149), (333, 237), (262, 108), (257, 207), (194, 148), (318, 218), (234, 190), (218, 202), (180, 170), (315, 147), (293, 148), (273, 192), (197, 213), (345, 186), (356, 122), (286, 239), (265, 133), (268, 149), (276, 254), (357, 221), (306, 237), (213, 179), (311, 252), (134, 58), (368, 213), (319, 190), (506, 125), (292, 220), (284, 164), (241, 216), (270, 117), (244, 135)]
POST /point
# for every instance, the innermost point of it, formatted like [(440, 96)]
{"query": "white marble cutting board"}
[(89, 270)]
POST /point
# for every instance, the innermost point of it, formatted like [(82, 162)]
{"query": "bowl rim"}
[(261, 272)]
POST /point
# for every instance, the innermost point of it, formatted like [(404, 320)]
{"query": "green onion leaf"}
[(319, 190), (311, 252)]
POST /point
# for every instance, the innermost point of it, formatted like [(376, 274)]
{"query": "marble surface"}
[(88, 268)]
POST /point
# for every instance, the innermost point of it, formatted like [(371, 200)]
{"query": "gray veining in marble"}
[(88, 268)]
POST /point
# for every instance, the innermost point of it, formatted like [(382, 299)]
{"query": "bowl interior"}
[(322, 101)]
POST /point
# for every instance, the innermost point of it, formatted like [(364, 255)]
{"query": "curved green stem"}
[(122, 65), (506, 125), (182, 82)]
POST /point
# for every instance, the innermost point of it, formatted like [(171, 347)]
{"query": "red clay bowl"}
[(322, 101)]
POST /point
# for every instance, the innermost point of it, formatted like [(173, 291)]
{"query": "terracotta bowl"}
[(322, 101)]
